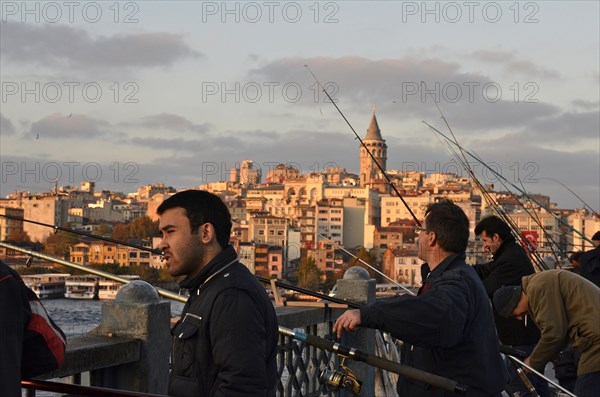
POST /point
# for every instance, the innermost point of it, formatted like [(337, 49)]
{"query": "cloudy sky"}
[(132, 93)]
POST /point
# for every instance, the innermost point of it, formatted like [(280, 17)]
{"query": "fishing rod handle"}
[(417, 374), (527, 383), (388, 365), (559, 387)]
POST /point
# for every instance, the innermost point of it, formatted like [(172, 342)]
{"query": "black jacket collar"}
[(222, 259), (444, 265), (509, 241)]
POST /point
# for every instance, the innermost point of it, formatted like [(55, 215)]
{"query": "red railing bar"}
[(81, 390)]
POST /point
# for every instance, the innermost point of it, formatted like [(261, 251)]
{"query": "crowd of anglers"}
[(226, 341)]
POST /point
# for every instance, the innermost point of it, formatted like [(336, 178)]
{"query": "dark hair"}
[(493, 225), (450, 225), (202, 207), (596, 235), (575, 256)]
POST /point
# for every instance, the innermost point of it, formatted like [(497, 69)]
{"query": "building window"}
[(273, 258)]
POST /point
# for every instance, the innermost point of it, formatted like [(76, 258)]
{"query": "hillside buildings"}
[(321, 215)]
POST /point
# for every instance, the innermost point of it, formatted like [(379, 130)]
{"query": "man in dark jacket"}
[(509, 264), (14, 317), (589, 262), (450, 322), (225, 343)]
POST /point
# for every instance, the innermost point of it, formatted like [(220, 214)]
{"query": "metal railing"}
[(298, 364)]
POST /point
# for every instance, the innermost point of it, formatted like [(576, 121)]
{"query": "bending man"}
[(566, 309)]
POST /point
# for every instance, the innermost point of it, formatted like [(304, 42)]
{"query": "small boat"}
[(82, 287), (47, 285), (389, 290), (108, 288)]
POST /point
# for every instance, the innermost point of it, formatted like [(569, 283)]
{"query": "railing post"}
[(138, 313), (358, 287)]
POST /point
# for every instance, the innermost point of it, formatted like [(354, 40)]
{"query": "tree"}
[(308, 274), (58, 244), (20, 236), (120, 232), (370, 258), (331, 277), (143, 228), (140, 228), (103, 230)]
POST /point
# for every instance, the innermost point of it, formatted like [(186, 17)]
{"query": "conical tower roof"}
[(374, 133)]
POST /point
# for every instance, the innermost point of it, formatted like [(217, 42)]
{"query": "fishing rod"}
[(500, 176), (262, 279), (389, 181), (86, 234), (538, 222), (162, 292), (572, 192), (110, 276), (494, 204), (356, 258), (540, 375), (499, 210), (507, 352), (370, 266), (156, 252), (307, 292), (376, 361)]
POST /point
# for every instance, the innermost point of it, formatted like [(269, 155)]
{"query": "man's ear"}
[(207, 233), (431, 238), (496, 237)]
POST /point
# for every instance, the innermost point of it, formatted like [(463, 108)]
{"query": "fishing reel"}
[(342, 378)]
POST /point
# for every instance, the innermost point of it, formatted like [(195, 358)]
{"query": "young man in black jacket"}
[(448, 329), (225, 343), (509, 264)]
